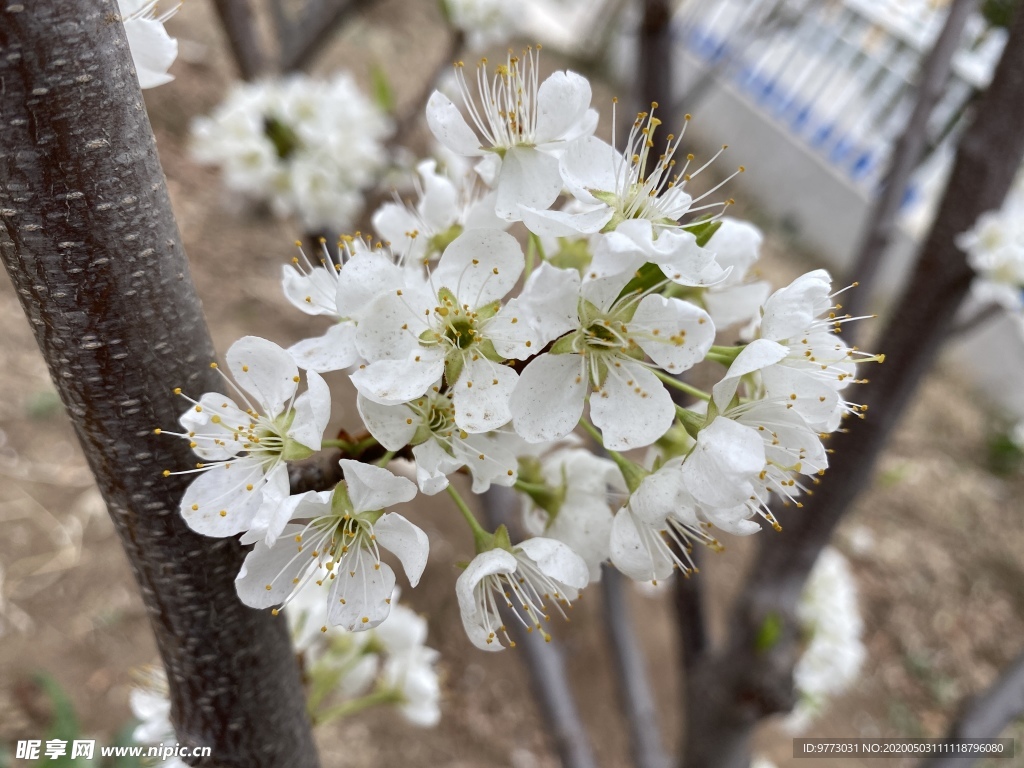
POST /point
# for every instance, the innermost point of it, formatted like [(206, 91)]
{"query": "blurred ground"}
[(935, 543)]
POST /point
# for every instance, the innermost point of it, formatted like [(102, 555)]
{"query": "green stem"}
[(682, 386), (632, 472), (386, 458), (535, 239), (531, 254), (724, 355), (353, 449), (347, 708), (480, 536), (531, 488)]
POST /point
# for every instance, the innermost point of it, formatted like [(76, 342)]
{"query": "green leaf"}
[(703, 230), (769, 633), (646, 278), (383, 94)]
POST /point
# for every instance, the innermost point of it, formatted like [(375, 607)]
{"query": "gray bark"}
[(743, 684), (305, 38), (89, 241), (882, 219)]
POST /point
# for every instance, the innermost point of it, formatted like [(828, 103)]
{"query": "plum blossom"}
[(525, 578), (606, 352), (451, 325), (153, 50), (439, 446), (334, 538), (519, 126), (243, 475)]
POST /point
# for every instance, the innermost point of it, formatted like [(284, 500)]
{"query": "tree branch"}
[(239, 23), (746, 681), (306, 37), (882, 219), (987, 715), (544, 660), (89, 241), (637, 699)]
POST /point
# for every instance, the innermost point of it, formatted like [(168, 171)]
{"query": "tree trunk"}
[(88, 238), (750, 678)]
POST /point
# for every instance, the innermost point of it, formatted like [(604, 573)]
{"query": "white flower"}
[(339, 546), (439, 446), (444, 210), (151, 705), (451, 325), (829, 615), (485, 22), (606, 351), (411, 673), (307, 147), (519, 127), (243, 475), (573, 506), (737, 246), (995, 250), (343, 292), (535, 572), (153, 50)]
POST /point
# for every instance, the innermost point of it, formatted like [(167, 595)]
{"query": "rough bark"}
[(882, 219), (239, 23), (743, 684), (306, 37), (88, 238)]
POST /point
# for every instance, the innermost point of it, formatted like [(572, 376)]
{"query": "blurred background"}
[(810, 96)]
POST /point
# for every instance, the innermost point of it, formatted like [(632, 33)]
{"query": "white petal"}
[(153, 51), (737, 244), (632, 409), (557, 561), (312, 412), (274, 513), (676, 334), (737, 303), (727, 458), (562, 101), (790, 311), (589, 165), (449, 126), (547, 403), (360, 592), (334, 351), (393, 222), (528, 177), (815, 400), (433, 465), (439, 203), (366, 276), (373, 488), (389, 424), (482, 395), (564, 224), (631, 554), (493, 561), (394, 322), (408, 543), (544, 310), (275, 567), (313, 292), (758, 354), (224, 489), (220, 444), (391, 382), (658, 495), (265, 371), (487, 460), (480, 266)]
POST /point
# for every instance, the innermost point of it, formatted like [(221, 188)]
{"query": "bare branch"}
[(239, 23), (305, 38), (545, 661), (637, 699), (988, 715), (89, 241), (882, 219), (747, 680)]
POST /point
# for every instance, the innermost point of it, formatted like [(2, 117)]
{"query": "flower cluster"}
[(995, 250), (307, 147), (830, 618), (472, 357)]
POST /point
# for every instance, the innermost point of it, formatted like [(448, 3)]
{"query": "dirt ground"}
[(935, 543)]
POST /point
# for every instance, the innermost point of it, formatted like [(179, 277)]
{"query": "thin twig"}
[(545, 661), (306, 37), (987, 715), (637, 699), (882, 219), (239, 23), (982, 316)]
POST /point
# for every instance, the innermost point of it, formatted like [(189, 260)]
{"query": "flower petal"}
[(562, 102), (334, 351), (632, 408), (557, 561), (224, 488), (389, 424), (373, 488), (360, 593), (482, 395), (547, 403), (264, 370), (433, 465), (312, 412), (406, 541), (676, 334), (480, 266), (528, 177), (449, 126), (489, 563), (275, 567)]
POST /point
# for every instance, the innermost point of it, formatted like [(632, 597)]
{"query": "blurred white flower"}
[(485, 22), (150, 703), (307, 147)]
